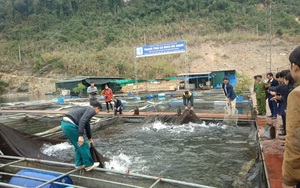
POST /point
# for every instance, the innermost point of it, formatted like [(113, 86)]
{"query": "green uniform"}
[(255, 86), (82, 153), (261, 98)]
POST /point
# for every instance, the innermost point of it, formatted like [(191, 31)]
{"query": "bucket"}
[(22, 181), (60, 100), (239, 98)]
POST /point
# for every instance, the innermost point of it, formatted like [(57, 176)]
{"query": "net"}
[(230, 115), (20, 144)]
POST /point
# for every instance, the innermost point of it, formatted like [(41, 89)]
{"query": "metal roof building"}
[(100, 82), (206, 79)]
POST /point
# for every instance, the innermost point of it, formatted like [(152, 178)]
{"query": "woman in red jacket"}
[(108, 95)]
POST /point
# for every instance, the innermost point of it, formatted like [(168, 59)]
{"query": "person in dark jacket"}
[(229, 94), (282, 92), (118, 105), (291, 156), (272, 104), (74, 124), (188, 97)]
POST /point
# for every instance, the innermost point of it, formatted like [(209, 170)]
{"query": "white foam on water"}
[(120, 162), (189, 127), (156, 126), (51, 150), (123, 163)]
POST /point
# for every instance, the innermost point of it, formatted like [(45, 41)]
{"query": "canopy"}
[(123, 82)]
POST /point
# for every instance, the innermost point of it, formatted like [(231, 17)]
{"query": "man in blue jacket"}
[(272, 82), (74, 124), (118, 105), (230, 95)]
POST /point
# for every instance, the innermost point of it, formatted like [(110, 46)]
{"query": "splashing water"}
[(194, 152), (119, 163), (54, 150)]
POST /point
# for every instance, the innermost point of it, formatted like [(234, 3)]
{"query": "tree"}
[(3, 86), (79, 89), (243, 84)]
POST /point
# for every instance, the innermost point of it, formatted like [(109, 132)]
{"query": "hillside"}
[(42, 41), (249, 58)]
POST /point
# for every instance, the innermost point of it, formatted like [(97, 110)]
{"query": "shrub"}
[(3, 86), (243, 84), (79, 89)]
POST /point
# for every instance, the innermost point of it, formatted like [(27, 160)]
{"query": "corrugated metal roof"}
[(96, 79), (194, 73)]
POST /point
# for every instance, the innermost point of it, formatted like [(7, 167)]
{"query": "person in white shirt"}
[(92, 91)]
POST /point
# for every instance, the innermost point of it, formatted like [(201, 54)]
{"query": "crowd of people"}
[(282, 94), (109, 97), (274, 92)]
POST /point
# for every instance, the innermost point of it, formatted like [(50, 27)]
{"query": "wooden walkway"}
[(104, 113), (272, 150)]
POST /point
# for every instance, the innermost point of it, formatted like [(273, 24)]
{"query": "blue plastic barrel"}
[(40, 175), (161, 95), (149, 97), (136, 98), (239, 98)]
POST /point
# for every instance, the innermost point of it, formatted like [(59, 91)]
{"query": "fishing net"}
[(230, 115), (186, 117), (20, 144)]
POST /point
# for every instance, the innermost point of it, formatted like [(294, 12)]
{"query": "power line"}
[(269, 17)]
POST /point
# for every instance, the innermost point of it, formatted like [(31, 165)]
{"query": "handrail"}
[(263, 161), (104, 170), (7, 164), (38, 179), (56, 178)]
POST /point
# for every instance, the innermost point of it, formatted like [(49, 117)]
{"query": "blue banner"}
[(160, 49)]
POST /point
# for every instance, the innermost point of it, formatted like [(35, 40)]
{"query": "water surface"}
[(209, 153)]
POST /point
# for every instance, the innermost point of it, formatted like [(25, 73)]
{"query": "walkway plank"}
[(102, 113), (272, 150)]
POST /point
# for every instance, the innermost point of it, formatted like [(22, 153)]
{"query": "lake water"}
[(24, 98)]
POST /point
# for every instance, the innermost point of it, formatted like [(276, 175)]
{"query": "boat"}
[(46, 173)]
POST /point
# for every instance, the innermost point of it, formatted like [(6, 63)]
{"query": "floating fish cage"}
[(218, 153)]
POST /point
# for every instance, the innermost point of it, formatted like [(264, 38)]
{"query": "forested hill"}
[(97, 37)]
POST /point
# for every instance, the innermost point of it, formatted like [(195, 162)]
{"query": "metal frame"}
[(128, 173)]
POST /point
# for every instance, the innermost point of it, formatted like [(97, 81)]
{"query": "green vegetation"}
[(79, 89), (3, 86), (243, 84), (97, 37)]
